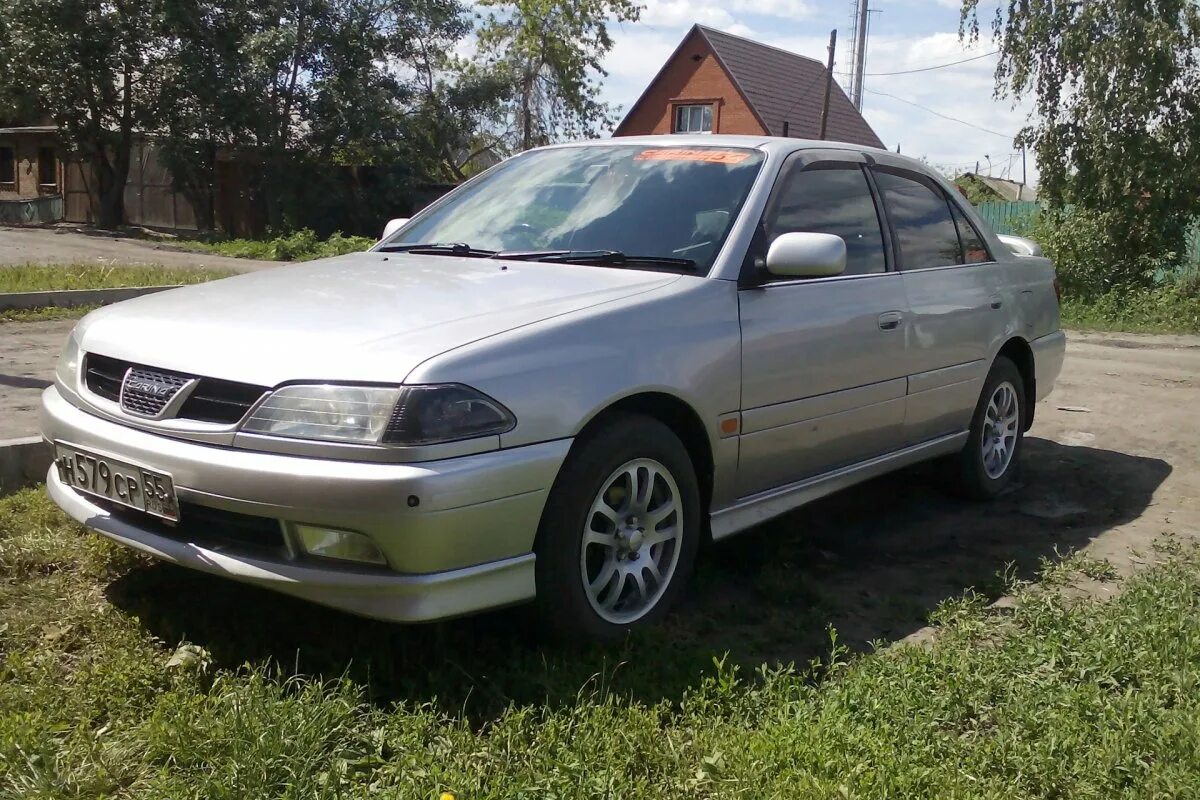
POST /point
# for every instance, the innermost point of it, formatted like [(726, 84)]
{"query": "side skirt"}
[(758, 508)]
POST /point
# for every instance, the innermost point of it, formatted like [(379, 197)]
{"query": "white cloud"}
[(720, 13), (676, 13)]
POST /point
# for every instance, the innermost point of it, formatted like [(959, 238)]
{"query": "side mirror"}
[(1020, 245), (393, 226), (807, 255)]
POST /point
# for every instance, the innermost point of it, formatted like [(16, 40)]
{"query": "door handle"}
[(890, 320), (996, 300)]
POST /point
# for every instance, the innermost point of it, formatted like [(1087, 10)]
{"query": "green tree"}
[(1116, 89), (91, 67), (550, 52)]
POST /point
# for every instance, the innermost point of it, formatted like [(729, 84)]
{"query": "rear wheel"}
[(620, 531), (988, 462)]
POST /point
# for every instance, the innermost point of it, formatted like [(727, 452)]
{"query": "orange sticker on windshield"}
[(681, 154)]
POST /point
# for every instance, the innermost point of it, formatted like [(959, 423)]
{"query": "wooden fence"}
[(1008, 217)]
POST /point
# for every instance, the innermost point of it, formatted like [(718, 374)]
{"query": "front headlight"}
[(446, 413), (405, 415), (322, 411), (67, 370)]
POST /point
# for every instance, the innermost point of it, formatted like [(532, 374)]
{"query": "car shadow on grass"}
[(871, 562)]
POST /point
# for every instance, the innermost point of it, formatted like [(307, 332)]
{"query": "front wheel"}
[(988, 462), (620, 531)]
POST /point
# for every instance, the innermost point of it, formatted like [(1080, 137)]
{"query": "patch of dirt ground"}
[(66, 244)]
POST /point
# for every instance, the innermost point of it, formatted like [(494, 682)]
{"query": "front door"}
[(823, 368)]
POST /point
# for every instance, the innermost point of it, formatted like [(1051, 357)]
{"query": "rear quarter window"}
[(926, 235)]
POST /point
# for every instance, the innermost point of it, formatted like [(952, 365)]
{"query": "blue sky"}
[(906, 34)]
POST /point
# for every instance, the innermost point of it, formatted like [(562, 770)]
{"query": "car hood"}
[(362, 317)]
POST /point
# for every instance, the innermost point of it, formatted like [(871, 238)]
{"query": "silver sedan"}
[(557, 381)]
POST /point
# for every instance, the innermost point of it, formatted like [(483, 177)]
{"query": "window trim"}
[(703, 102), (751, 275), (962, 245)]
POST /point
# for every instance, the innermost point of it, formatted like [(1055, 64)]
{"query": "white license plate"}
[(119, 481)]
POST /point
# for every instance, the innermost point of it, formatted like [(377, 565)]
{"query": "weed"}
[(302, 245)]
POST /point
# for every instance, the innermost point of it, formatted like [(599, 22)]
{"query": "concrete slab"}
[(23, 462), (71, 298)]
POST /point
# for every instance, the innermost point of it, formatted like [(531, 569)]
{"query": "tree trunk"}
[(527, 109), (111, 177)]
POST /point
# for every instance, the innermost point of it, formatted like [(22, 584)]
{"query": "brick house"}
[(719, 83), (29, 163)]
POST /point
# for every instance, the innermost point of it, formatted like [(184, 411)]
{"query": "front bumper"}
[(465, 545)]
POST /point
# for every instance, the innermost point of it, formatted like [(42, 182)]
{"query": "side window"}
[(974, 250), (920, 214), (832, 199)]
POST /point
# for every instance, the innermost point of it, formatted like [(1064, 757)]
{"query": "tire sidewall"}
[(561, 597)]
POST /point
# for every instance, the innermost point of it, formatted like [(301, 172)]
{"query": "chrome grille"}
[(209, 400), (146, 392)]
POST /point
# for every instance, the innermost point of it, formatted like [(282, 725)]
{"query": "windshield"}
[(653, 202)]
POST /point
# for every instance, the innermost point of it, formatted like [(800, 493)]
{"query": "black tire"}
[(969, 473), (563, 603)]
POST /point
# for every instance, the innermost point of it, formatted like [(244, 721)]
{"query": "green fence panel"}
[(1008, 217)]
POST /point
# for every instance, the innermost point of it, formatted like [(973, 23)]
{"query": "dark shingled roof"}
[(780, 86)]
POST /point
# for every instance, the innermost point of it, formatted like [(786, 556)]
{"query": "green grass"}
[(303, 245), (44, 313), (1170, 309), (1055, 697), (47, 277)]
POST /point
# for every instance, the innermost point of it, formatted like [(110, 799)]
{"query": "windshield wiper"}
[(606, 257), (438, 249)]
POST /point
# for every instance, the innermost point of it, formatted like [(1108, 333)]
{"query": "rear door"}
[(823, 375), (955, 297)]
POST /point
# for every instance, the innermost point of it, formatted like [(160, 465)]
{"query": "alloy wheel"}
[(1000, 423), (631, 541)]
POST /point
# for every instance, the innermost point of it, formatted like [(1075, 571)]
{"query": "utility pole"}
[(828, 82), (860, 53), (1022, 172)]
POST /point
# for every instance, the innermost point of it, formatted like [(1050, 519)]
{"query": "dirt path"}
[(65, 245), (28, 351)]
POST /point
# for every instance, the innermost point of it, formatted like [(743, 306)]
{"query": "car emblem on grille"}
[(153, 394)]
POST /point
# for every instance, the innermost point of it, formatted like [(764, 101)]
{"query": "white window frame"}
[(689, 112)]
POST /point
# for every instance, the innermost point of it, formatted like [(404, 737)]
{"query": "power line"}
[(928, 69), (1009, 136)]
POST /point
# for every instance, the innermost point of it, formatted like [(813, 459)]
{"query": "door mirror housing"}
[(806, 255), (1019, 245), (393, 226)]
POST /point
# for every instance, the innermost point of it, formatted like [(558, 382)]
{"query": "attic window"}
[(693, 119)]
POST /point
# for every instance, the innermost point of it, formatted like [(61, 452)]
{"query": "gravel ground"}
[(69, 245)]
